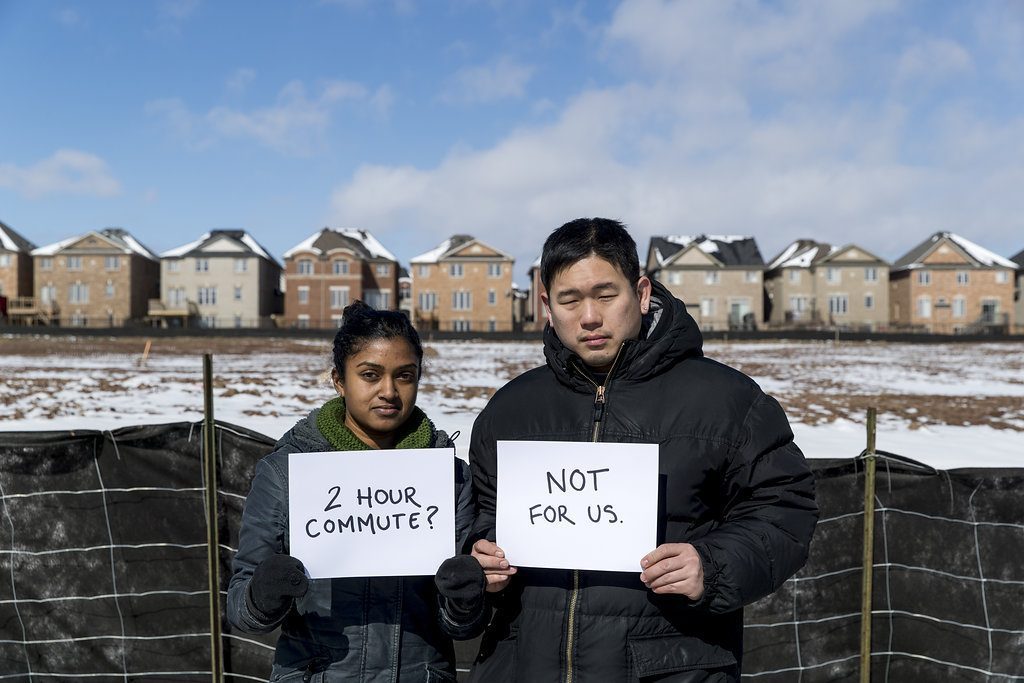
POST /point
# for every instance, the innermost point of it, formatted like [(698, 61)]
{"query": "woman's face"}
[(379, 388)]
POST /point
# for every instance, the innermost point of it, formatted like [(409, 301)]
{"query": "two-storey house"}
[(717, 276), (1018, 294), (223, 279), (815, 284), (15, 270), (103, 278), (463, 285), (332, 268), (948, 284)]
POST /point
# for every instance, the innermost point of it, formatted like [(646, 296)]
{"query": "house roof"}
[(241, 237), (1018, 258), (118, 237), (802, 253), (980, 255), (358, 241), (449, 247), (729, 250), (12, 241)]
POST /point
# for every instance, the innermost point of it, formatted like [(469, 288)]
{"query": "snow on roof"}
[(185, 248), (434, 254), (306, 245), (375, 248), (785, 255), (6, 242), (248, 241), (980, 253), (51, 249), (135, 246)]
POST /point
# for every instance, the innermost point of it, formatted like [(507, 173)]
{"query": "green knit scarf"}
[(417, 432)]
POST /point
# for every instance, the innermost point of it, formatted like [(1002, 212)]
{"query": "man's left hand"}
[(674, 569)]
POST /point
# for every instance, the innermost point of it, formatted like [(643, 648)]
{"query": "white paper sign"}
[(372, 513), (570, 505)]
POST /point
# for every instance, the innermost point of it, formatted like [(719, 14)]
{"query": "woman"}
[(365, 629)]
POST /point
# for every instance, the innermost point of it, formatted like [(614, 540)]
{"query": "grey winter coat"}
[(372, 630)]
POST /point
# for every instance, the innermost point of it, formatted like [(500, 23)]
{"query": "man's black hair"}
[(583, 237)]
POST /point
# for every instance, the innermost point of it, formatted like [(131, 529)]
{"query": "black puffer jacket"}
[(735, 486)]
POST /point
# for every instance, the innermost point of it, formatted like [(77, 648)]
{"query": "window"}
[(241, 265), (78, 293), (924, 277), (173, 265), (455, 270), (869, 301), (383, 269), (79, 320), (493, 270), (794, 275), (707, 307), (924, 306), (833, 275), (428, 301), (202, 265), (798, 304), (871, 274), (959, 307), (674, 277), (207, 296), (711, 277), (1002, 277), (176, 297), (303, 322), (74, 262), (492, 297), (838, 304), (303, 294), (209, 321), (461, 325), (752, 276), (377, 298), (46, 263), (963, 277), (5, 260), (340, 267), (305, 266), (336, 319), (238, 320), (492, 325), (109, 289), (112, 263), (424, 271), (462, 300), (48, 294), (238, 293), (339, 297)]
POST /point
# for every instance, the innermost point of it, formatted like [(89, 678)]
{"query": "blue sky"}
[(867, 121)]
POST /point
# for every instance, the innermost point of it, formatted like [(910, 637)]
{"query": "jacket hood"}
[(668, 335)]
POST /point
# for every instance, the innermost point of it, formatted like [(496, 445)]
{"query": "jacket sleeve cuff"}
[(712, 572), (459, 623), (262, 620)]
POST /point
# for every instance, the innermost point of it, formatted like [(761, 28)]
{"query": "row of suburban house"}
[(107, 278)]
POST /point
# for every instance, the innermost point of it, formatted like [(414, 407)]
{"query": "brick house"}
[(535, 316), (15, 269), (223, 279), (1018, 294), (948, 284), (103, 278), (332, 268), (463, 285), (718, 276), (813, 283)]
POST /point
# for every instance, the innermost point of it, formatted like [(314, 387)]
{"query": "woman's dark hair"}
[(583, 237), (361, 324)]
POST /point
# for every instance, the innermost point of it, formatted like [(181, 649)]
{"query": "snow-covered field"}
[(950, 405)]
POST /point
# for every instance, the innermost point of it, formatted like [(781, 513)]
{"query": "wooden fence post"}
[(212, 540), (868, 565)]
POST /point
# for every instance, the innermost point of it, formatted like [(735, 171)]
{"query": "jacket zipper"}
[(599, 404)]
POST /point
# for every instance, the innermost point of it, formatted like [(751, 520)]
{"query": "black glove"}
[(461, 581), (275, 584)]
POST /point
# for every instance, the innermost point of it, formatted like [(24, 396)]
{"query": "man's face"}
[(593, 308)]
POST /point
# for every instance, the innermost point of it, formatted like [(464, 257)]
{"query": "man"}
[(624, 364)]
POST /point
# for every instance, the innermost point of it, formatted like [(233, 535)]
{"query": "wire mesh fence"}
[(103, 567)]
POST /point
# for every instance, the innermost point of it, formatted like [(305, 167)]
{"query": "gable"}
[(223, 244), (692, 256), (946, 253), (475, 249), (851, 254), (93, 242)]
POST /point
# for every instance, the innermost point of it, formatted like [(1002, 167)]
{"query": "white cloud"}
[(239, 81), (932, 61), (65, 172), (503, 79), (295, 124)]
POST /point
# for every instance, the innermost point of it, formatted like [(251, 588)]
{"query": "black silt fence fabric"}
[(947, 586), (103, 566)]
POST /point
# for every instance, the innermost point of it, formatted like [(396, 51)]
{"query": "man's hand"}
[(674, 569), (496, 567)]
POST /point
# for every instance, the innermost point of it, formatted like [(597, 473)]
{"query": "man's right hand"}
[(496, 567)]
